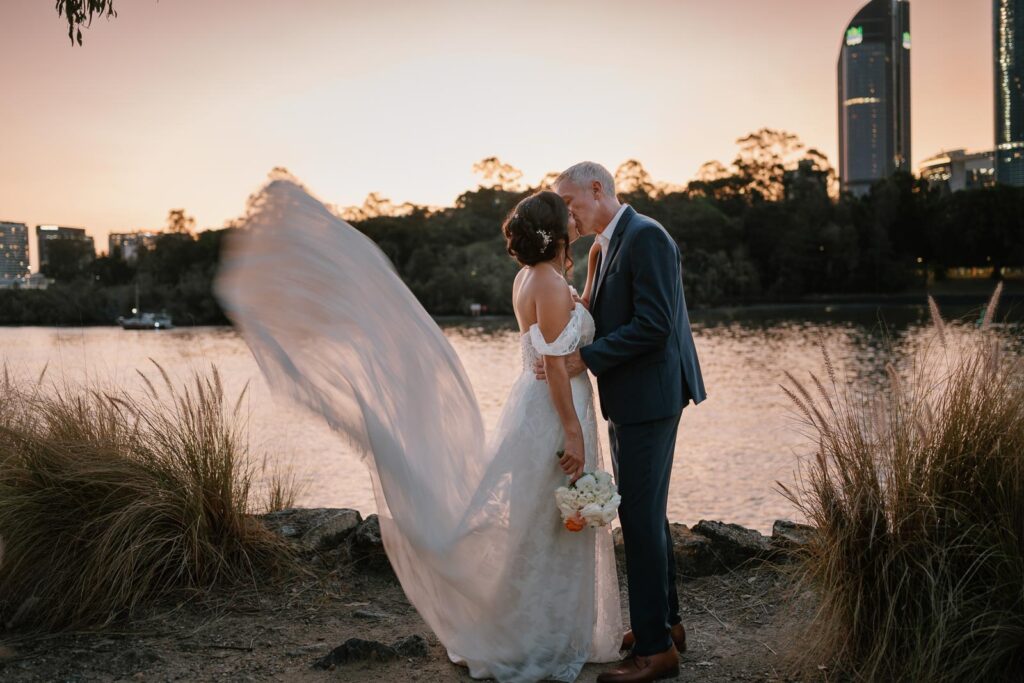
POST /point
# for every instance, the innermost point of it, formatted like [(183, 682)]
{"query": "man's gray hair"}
[(586, 172)]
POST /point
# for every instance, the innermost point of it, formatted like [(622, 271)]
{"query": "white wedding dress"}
[(471, 529)]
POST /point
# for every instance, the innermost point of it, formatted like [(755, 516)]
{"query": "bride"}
[(471, 528)]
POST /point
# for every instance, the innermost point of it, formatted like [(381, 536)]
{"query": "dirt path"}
[(740, 622), (738, 626)]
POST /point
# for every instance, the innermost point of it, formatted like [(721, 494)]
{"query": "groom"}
[(647, 370)]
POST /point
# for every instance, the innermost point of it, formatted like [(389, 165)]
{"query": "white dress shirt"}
[(604, 239)]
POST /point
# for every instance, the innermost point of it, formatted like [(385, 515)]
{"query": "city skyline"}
[(182, 104)]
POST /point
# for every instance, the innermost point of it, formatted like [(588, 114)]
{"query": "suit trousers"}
[(642, 456)]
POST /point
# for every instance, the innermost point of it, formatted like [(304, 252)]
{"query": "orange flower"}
[(575, 523)]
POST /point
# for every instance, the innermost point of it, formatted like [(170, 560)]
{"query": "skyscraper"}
[(1008, 44), (129, 244), (47, 233), (874, 95), (13, 252)]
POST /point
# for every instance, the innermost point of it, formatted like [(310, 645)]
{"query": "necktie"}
[(597, 276)]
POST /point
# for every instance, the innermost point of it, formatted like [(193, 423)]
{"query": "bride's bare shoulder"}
[(551, 289), (517, 284)]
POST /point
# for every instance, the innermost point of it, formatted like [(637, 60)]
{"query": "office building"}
[(874, 95), (13, 253), (1008, 44), (957, 170), (46, 234), (130, 244)]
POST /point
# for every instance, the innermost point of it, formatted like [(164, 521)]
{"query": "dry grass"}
[(918, 495), (109, 501)]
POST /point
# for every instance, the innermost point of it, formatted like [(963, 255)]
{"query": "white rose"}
[(587, 481), (608, 513), (591, 512)]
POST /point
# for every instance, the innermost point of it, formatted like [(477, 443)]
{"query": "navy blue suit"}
[(647, 371)]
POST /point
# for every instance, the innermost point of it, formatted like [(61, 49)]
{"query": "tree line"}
[(768, 227)]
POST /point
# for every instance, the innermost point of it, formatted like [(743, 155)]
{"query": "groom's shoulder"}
[(641, 224), (638, 220)]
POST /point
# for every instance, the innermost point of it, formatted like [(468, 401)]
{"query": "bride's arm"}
[(588, 289), (553, 312)]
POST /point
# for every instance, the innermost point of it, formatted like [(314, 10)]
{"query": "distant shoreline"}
[(976, 298)]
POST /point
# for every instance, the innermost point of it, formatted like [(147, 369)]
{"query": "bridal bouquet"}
[(592, 500)]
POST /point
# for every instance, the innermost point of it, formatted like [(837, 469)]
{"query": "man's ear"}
[(595, 186)]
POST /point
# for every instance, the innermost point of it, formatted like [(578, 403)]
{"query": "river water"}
[(731, 450)]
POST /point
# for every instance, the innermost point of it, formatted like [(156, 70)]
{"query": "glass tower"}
[(874, 95), (13, 251), (1008, 44)]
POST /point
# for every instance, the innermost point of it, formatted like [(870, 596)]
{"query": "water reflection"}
[(731, 449)]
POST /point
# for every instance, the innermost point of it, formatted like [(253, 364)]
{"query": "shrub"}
[(918, 496), (108, 500)]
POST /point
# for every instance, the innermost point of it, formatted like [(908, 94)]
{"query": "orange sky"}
[(189, 103)]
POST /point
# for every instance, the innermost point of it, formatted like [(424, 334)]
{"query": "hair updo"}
[(537, 229)]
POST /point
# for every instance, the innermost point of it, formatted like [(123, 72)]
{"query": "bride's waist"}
[(580, 380)]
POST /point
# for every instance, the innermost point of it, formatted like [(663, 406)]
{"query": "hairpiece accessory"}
[(545, 236)]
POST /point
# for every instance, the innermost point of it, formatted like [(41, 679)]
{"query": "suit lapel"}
[(613, 247)]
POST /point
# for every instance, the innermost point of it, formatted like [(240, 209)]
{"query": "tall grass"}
[(918, 495), (109, 500)]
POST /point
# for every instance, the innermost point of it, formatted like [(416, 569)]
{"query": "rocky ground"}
[(347, 619)]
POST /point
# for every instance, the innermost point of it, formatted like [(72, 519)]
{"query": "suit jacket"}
[(643, 352)]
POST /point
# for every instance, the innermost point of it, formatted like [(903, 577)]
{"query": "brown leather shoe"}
[(678, 638), (642, 669)]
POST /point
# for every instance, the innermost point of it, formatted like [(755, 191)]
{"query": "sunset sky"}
[(189, 103)]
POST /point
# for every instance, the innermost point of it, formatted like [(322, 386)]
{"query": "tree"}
[(631, 178), (67, 260), (376, 206), (79, 13), (762, 162), (548, 180), (180, 223), (498, 175)]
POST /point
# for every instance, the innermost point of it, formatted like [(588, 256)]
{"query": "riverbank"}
[(738, 600), (89, 306)]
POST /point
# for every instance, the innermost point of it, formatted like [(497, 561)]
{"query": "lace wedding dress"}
[(470, 528)]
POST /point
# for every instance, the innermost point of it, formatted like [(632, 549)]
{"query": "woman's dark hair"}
[(537, 228)]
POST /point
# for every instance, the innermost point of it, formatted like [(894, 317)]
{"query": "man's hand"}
[(573, 364)]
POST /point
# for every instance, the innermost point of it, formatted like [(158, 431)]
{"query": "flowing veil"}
[(332, 326)]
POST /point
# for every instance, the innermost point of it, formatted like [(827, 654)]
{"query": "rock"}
[(357, 650), (315, 529), (733, 544), (692, 552), (411, 646), (367, 614), (366, 548), (332, 529), (790, 537)]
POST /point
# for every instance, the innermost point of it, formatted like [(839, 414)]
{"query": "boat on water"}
[(146, 321)]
